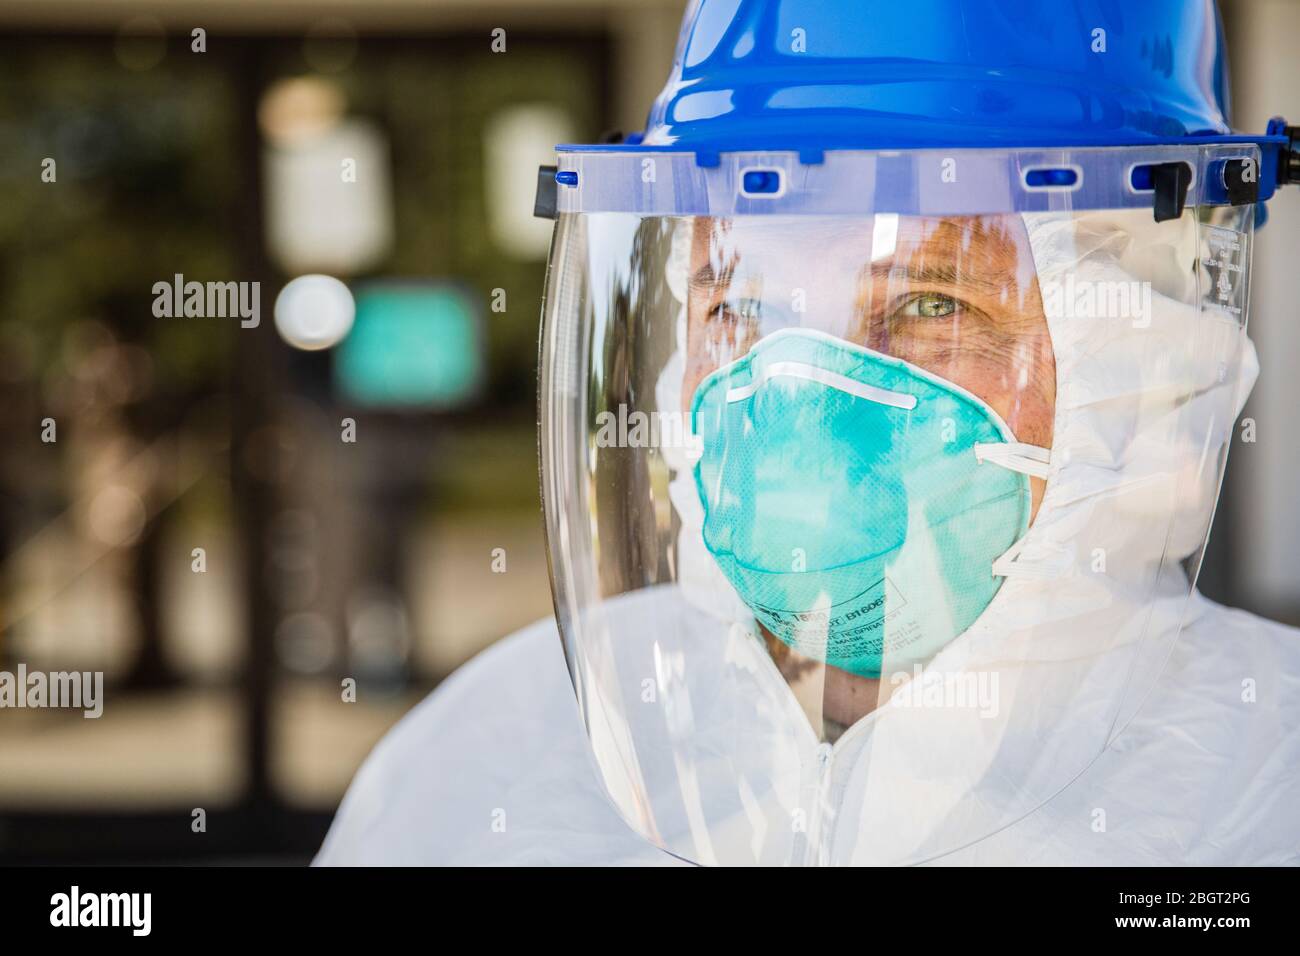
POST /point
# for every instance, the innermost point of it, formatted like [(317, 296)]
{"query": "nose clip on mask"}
[(856, 502)]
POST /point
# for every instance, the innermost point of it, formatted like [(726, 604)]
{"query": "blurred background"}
[(233, 520)]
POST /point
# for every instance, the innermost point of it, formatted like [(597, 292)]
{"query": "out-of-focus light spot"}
[(314, 312), (328, 196), (299, 109), (141, 44), (116, 516), (305, 642), (379, 640), (377, 631)]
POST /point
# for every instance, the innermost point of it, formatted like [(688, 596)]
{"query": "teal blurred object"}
[(414, 345)]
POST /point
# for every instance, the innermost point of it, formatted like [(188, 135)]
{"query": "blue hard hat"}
[(872, 74), (814, 75)]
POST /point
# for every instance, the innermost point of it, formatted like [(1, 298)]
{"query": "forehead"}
[(820, 251)]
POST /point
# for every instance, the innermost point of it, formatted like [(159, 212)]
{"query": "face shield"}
[(875, 487)]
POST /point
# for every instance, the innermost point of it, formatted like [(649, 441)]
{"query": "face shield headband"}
[(1162, 179)]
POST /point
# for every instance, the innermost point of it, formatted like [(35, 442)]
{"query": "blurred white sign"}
[(515, 142), (329, 199)]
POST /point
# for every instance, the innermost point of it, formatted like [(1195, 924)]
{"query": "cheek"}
[(1022, 392), (699, 362), (1036, 488), (1032, 414), (708, 348), (696, 372)]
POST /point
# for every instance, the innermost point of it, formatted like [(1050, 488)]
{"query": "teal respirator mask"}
[(857, 503)]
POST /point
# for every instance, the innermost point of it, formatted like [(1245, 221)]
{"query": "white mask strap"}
[(1007, 566), (1033, 461), (814, 373), (1015, 456)]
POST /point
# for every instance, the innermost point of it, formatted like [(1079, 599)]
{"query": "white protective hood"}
[(1093, 598)]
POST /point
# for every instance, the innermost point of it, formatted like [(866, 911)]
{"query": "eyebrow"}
[(945, 273), (703, 279)]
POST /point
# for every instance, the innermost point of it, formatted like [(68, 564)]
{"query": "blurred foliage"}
[(493, 468), (144, 185)]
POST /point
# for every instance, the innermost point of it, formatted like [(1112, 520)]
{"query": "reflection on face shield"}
[(857, 501)]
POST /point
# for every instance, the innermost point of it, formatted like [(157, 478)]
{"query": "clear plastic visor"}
[(868, 532)]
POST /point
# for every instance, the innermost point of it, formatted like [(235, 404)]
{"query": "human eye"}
[(742, 311), (931, 305)]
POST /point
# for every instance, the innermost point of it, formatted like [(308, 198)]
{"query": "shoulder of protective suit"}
[(1208, 772), (1217, 635), (489, 769), (492, 768)]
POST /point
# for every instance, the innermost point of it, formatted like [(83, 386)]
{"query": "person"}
[(887, 384)]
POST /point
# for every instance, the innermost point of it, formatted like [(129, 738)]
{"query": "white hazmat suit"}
[(495, 767)]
